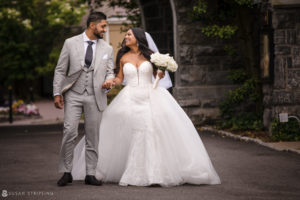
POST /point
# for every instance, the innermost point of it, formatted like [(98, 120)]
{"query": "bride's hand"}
[(160, 74), (108, 84)]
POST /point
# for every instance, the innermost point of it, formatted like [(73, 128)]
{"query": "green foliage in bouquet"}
[(285, 131)]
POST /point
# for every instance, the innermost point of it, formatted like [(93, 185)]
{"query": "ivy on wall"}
[(235, 23)]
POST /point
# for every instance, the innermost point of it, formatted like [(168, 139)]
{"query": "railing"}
[(10, 118), (284, 117)]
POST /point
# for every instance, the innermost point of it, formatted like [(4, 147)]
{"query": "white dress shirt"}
[(86, 39)]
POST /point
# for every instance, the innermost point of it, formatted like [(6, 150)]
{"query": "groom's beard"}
[(97, 34)]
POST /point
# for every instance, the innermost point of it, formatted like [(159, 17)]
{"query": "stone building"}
[(201, 83), (282, 95)]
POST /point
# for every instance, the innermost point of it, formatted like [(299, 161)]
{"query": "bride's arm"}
[(160, 73), (118, 80)]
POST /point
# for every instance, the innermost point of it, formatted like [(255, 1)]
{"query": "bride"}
[(145, 136)]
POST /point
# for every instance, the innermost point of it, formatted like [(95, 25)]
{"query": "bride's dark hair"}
[(140, 36)]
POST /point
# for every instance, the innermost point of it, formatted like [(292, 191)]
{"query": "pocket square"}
[(105, 57)]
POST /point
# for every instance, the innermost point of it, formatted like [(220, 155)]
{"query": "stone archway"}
[(157, 19)]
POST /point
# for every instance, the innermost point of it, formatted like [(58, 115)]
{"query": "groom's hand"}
[(59, 102), (108, 84)]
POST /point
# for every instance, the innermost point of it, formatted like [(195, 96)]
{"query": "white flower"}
[(27, 23), (77, 11), (66, 7), (13, 13), (164, 61), (160, 60), (172, 65)]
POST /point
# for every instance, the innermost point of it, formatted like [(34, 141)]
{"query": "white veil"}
[(166, 81)]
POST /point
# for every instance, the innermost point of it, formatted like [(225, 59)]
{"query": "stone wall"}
[(200, 83), (283, 94)]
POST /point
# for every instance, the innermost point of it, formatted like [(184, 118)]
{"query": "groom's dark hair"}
[(95, 17)]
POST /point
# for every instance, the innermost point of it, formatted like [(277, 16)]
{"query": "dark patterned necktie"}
[(89, 54)]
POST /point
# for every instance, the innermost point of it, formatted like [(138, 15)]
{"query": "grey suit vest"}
[(85, 81)]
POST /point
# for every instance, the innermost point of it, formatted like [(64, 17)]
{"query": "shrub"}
[(285, 131)]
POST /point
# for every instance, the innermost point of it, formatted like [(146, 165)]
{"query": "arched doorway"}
[(159, 19)]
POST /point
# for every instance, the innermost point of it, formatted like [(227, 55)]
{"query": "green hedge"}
[(285, 131)]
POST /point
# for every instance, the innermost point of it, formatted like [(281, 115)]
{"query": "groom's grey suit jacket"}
[(71, 63)]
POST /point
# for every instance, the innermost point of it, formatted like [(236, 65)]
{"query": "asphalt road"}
[(29, 159)]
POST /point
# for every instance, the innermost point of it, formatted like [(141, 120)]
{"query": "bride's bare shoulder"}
[(124, 58)]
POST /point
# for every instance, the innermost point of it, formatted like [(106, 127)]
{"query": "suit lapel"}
[(80, 49), (98, 55)]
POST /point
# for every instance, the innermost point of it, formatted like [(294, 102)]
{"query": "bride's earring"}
[(137, 44)]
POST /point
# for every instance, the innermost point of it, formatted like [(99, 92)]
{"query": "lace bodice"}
[(138, 76)]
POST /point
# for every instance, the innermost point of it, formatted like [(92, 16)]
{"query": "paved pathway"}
[(52, 116), (49, 115), (28, 170)]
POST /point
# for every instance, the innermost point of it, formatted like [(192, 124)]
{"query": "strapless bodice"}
[(138, 76)]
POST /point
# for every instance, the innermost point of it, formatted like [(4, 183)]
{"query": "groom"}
[(85, 63)]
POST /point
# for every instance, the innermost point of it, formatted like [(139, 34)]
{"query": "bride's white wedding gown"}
[(146, 138)]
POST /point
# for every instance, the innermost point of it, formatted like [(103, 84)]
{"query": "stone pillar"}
[(283, 95)]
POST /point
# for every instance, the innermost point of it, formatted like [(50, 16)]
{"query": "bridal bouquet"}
[(163, 62)]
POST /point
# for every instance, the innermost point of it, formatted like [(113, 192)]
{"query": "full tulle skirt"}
[(146, 138)]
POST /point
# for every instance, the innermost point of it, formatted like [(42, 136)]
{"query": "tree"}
[(131, 7), (132, 11), (30, 31)]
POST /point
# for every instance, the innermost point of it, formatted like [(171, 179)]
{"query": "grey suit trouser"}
[(75, 104)]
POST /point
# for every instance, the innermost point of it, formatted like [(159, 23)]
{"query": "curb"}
[(247, 139), (30, 128)]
